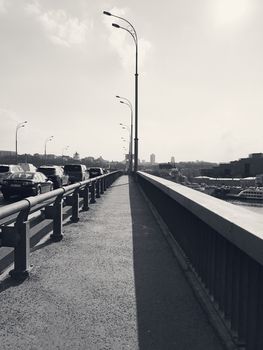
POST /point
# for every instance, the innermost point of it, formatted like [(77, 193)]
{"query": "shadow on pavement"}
[(42, 245), (156, 321), (9, 283), (168, 315)]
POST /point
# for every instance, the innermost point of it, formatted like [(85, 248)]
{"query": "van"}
[(76, 172)]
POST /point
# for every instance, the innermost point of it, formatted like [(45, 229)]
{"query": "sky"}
[(200, 77)]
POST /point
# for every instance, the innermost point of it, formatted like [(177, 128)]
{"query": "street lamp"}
[(19, 125), (131, 30), (64, 149), (50, 138), (128, 103)]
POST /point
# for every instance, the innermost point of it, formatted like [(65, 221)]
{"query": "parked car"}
[(26, 183), (94, 172), (55, 174), (8, 169), (27, 167), (76, 172)]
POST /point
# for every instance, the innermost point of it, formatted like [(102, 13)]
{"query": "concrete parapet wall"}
[(223, 245), (238, 225)]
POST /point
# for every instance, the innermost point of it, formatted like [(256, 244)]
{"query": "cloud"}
[(61, 28), (123, 43), (7, 115), (231, 12), (3, 8)]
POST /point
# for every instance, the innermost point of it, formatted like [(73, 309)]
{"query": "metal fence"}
[(224, 247), (15, 222)]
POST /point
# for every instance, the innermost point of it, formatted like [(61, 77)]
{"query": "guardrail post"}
[(92, 193), (86, 198), (57, 235), (101, 185), (98, 189), (105, 183), (75, 206), (22, 247)]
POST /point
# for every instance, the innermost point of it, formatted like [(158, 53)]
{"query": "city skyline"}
[(200, 78)]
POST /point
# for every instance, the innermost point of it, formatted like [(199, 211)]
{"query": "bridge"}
[(118, 262)]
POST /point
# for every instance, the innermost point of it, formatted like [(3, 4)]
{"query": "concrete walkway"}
[(111, 283)]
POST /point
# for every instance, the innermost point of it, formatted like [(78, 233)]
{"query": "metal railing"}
[(15, 221), (223, 245)]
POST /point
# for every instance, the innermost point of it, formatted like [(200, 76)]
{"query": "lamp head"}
[(106, 13), (115, 25), (121, 102)]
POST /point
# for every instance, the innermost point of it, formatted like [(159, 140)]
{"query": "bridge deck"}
[(111, 283)]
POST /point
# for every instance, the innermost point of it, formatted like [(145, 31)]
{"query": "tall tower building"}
[(172, 159), (152, 159)]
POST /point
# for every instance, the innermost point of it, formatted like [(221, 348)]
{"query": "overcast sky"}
[(200, 77)]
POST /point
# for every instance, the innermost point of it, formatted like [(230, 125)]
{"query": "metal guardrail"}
[(15, 224), (223, 246)]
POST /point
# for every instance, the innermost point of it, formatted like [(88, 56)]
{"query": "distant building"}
[(172, 159), (76, 156), (152, 159), (6, 153), (244, 167)]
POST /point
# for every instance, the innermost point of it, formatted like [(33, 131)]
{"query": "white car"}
[(8, 169), (27, 167)]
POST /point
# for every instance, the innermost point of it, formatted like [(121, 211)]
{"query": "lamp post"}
[(133, 33), (50, 138), (19, 125), (126, 127), (128, 103), (64, 149)]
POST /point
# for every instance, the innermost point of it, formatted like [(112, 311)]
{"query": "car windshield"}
[(47, 171), (72, 168), (4, 169), (95, 170), (22, 175)]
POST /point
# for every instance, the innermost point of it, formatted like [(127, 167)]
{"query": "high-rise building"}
[(152, 159), (172, 159)]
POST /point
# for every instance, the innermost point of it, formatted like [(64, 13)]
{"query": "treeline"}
[(39, 159)]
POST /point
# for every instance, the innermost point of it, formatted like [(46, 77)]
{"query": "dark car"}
[(55, 174), (8, 169), (76, 172), (94, 172), (26, 184)]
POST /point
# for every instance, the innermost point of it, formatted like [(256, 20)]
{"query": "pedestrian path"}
[(111, 283)]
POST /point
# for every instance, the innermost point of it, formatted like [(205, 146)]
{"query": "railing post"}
[(86, 198), (92, 193), (101, 185), (105, 183), (75, 206), (98, 189), (57, 235), (22, 246), (21, 254)]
